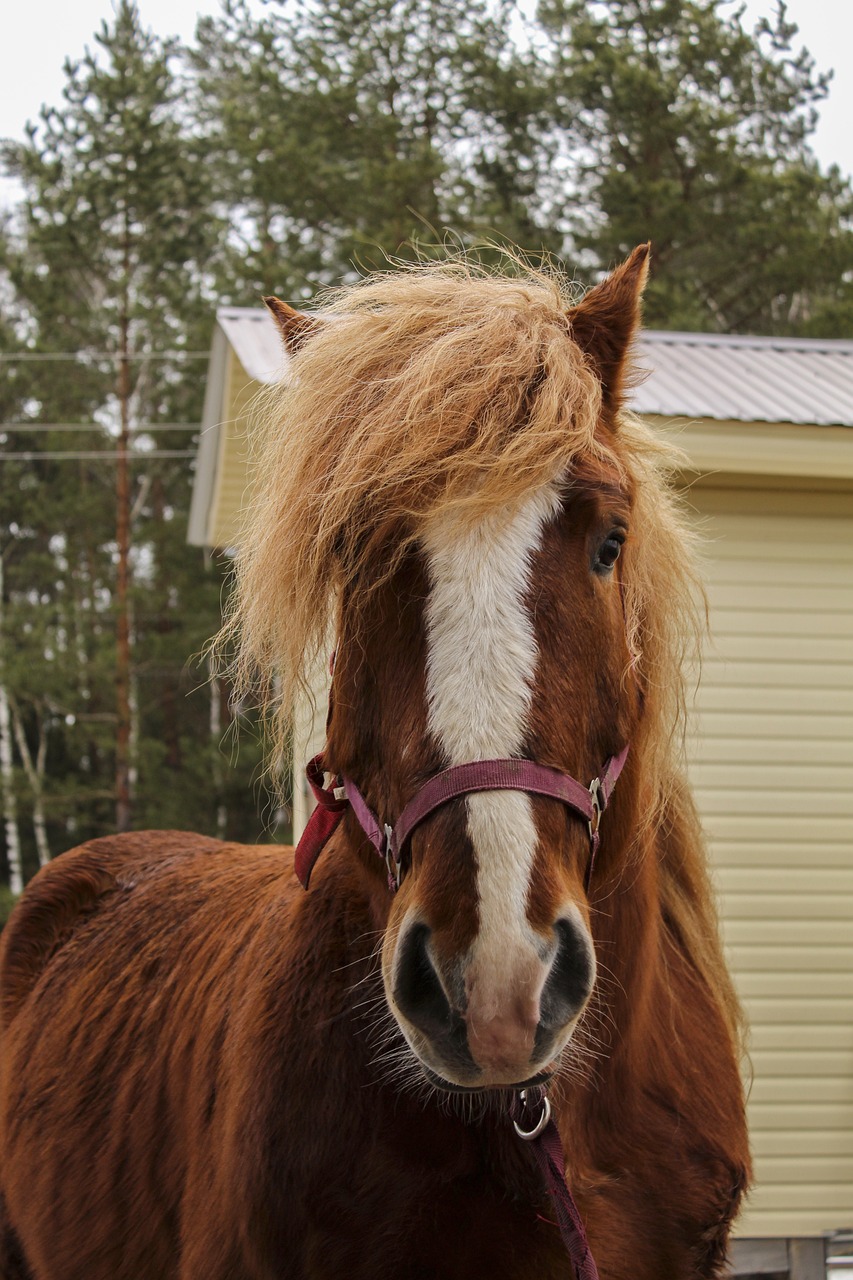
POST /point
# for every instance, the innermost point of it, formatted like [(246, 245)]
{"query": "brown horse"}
[(210, 1074)]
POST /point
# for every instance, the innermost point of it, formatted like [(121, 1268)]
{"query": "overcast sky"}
[(37, 36)]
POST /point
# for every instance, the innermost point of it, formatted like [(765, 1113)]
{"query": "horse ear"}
[(606, 319), (294, 326)]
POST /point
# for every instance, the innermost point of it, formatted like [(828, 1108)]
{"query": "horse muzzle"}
[(475, 1028)]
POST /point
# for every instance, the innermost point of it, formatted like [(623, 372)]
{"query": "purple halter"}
[(479, 775), (390, 843)]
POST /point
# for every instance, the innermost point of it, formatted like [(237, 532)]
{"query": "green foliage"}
[(7, 903), (691, 132), (113, 243), (348, 130), (114, 192), (284, 152)]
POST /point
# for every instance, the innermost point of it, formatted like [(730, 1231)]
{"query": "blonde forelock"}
[(429, 389)]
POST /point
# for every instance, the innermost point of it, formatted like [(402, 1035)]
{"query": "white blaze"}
[(481, 663)]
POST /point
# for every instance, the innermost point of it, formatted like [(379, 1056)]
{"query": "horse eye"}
[(608, 552)]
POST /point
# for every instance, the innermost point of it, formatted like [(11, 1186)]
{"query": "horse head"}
[(469, 489)]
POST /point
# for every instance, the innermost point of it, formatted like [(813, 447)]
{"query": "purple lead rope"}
[(544, 1139), (549, 1156)]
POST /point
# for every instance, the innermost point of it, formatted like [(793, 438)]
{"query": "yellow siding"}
[(231, 486), (771, 755)]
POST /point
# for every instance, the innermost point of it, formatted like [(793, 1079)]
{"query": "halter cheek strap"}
[(479, 775)]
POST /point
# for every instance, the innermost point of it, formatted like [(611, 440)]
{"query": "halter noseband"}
[(479, 775)]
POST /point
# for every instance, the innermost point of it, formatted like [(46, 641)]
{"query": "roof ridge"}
[(679, 337)]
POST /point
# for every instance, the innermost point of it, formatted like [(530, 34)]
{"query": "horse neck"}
[(663, 1005), (624, 897)]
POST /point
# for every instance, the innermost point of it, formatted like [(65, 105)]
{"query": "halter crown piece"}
[(390, 842)]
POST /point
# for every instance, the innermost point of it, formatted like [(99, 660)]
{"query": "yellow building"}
[(767, 425)]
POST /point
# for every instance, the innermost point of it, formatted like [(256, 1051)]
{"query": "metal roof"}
[(737, 378), (256, 341), (724, 377)]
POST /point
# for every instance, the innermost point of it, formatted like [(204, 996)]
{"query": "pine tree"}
[(347, 129), (686, 129)]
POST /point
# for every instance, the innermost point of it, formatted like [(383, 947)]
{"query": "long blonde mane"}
[(446, 386)]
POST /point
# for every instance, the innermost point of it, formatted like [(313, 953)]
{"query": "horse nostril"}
[(571, 977), (417, 990)]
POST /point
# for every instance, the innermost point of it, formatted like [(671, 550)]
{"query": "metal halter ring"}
[(529, 1134)]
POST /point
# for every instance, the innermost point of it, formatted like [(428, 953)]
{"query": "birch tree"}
[(7, 773), (35, 766)]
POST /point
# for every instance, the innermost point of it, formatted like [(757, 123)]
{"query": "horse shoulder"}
[(67, 893), (120, 979)]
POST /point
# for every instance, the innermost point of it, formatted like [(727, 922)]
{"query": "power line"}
[(144, 427), (42, 356), (88, 454)]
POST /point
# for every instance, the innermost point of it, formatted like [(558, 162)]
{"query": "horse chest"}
[(462, 1230)]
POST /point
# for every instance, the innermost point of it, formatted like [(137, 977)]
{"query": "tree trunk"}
[(133, 735), (123, 708), (7, 775), (164, 624), (10, 809), (35, 771)]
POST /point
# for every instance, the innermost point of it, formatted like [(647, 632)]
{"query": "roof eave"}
[(768, 449)]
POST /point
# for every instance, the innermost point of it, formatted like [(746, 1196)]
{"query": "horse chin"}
[(450, 1086)]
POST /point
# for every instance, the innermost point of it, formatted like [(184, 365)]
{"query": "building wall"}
[(772, 764), (240, 398)]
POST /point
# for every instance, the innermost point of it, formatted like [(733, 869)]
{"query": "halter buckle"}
[(392, 866), (597, 798)]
